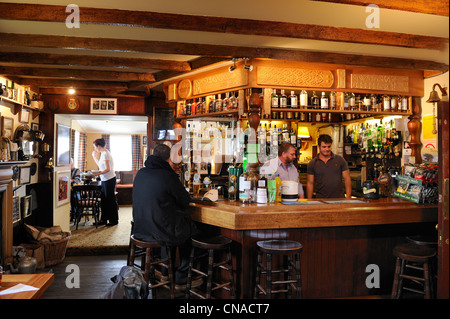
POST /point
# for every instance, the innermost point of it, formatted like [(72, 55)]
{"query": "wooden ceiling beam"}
[(436, 7), (53, 13), (209, 50), (96, 61), (76, 74), (52, 83)]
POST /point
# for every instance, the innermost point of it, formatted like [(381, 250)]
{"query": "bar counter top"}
[(311, 213)]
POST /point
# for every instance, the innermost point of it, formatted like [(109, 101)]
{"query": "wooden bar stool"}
[(283, 248), (417, 257), (208, 246), (149, 261)]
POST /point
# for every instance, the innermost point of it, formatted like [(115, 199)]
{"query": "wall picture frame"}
[(62, 186), (25, 175), (62, 145), (103, 106), (26, 206), (24, 116), (7, 126), (16, 209)]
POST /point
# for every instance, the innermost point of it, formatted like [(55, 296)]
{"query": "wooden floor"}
[(95, 276)]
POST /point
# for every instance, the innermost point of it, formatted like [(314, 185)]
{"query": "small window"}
[(121, 152)]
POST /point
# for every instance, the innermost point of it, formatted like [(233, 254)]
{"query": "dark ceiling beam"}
[(96, 61), (53, 13), (76, 74), (436, 7), (209, 50), (51, 83)]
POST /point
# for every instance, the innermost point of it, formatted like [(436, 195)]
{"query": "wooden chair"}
[(87, 201)]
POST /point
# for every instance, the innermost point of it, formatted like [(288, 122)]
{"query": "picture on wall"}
[(103, 106), (26, 206), (16, 209), (62, 184), (62, 145), (7, 126)]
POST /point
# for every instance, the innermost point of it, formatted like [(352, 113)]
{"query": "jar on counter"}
[(248, 184)]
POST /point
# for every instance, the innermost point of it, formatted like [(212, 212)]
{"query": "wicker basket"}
[(55, 251)]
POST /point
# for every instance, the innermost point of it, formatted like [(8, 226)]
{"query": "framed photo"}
[(7, 126), (26, 206), (62, 145), (103, 106), (24, 116), (16, 209), (25, 175), (62, 186), (144, 140), (34, 126)]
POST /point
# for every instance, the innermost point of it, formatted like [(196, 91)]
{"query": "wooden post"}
[(414, 128)]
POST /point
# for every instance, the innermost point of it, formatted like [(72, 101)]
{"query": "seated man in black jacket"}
[(160, 205)]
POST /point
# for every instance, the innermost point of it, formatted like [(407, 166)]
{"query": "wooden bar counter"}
[(340, 238)]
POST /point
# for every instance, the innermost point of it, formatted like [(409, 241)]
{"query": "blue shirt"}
[(286, 174)]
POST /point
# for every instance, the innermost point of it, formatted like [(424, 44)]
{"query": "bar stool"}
[(149, 261), (208, 246), (417, 257), (283, 248)]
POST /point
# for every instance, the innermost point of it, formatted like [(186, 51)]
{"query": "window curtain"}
[(82, 152), (106, 138), (72, 142), (136, 152)]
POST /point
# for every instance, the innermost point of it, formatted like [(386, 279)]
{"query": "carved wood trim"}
[(380, 82), (220, 81), (278, 76)]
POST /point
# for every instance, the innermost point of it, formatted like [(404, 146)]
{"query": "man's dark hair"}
[(284, 148), (162, 150), (325, 138), (99, 141)]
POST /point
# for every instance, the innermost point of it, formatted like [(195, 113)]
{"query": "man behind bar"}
[(327, 170)]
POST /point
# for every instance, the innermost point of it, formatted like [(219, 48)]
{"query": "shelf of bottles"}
[(331, 106), (221, 104), (378, 146)]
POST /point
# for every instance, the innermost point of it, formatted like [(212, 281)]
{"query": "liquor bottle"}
[(275, 98), (233, 102), (346, 101), (283, 100), (314, 101), (366, 103), (293, 137), (188, 107), (285, 134), (352, 101), (404, 104), (293, 101), (303, 99), (280, 136), (394, 104), (226, 102), (218, 103), (268, 139), (211, 104), (193, 107), (333, 100), (373, 102), (324, 101), (386, 103)]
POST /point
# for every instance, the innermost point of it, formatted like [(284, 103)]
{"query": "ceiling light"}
[(71, 91)]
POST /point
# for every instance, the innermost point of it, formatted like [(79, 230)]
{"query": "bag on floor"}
[(128, 284)]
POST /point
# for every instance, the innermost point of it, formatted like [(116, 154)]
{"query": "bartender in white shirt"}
[(284, 167)]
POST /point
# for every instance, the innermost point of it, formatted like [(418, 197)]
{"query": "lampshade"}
[(303, 132)]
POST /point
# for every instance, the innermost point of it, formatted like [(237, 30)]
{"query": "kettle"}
[(371, 189), (26, 265)]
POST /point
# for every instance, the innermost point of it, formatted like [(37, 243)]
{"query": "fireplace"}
[(6, 208)]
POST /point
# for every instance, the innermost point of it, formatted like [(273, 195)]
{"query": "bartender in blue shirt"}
[(283, 165)]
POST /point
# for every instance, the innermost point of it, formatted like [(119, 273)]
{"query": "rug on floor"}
[(103, 240)]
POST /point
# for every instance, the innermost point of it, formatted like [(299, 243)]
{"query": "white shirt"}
[(275, 166), (106, 156)]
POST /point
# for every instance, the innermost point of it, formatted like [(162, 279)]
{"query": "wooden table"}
[(339, 240), (41, 281)]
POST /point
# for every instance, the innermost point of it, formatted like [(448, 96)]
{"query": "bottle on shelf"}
[(404, 104), (324, 101), (188, 107), (303, 99), (333, 100), (283, 100), (293, 101), (226, 102), (285, 134), (314, 101), (218, 107), (386, 103), (233, 102), (394, 103), (274, 99), (211, 104), (193, 107)]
